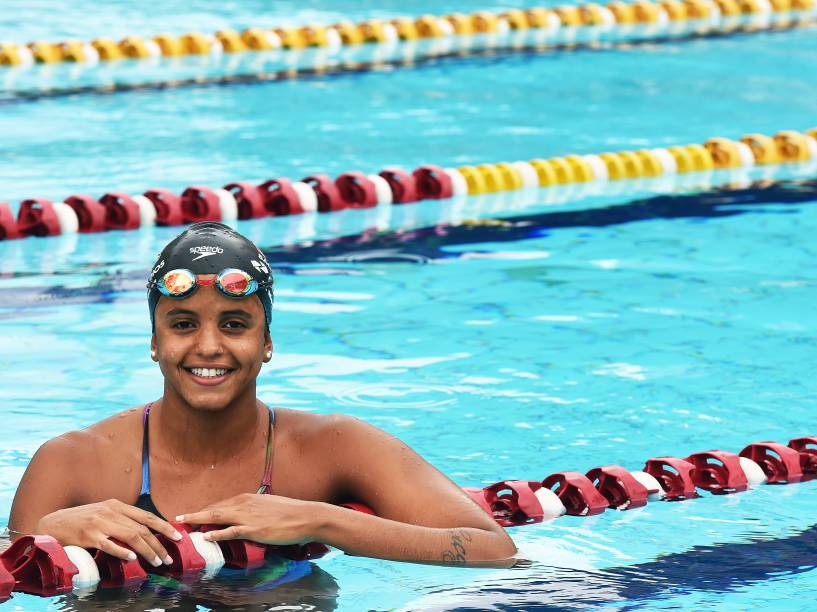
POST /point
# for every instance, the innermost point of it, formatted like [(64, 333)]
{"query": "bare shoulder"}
[(338, 434), (106, 437)]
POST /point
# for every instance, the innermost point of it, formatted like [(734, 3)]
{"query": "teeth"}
[(208, 372)]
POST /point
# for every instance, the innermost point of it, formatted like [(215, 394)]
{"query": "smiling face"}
[(210, 348)]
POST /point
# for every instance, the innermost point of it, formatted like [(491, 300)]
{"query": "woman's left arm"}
[(421, 515)]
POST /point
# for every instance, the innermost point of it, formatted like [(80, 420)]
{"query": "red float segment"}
[(250, 199), (478, 496), (8, 224), (280, 198), (39, 565), (6, 583), (807, 448), (718, 472), (675, 476), (241, 554), (358, 507), (168, 206), (121, 212), (328, 195), (37, 217), (781, 464), (357, 190), (403, 185), (114, 572), (432, 183), (200, 203), (186, 559), (90, 213), (620, 488), (513, 503), (577, 493)]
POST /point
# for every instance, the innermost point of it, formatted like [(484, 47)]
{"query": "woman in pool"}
[(209, 451)]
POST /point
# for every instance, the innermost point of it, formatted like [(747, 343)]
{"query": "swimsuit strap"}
[(266, 483), (145, 451)]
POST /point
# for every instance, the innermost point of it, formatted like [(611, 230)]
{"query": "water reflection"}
[(713, 568)]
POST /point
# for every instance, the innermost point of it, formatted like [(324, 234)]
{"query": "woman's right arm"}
[(52, 499)]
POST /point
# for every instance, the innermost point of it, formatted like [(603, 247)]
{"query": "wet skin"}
[(207, 451)]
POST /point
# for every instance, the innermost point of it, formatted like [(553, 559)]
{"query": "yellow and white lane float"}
[(646, 18), (393, 186)]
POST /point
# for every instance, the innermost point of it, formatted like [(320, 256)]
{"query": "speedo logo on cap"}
[(205, 251)]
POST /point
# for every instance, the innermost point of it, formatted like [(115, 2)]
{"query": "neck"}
[(207, 437)]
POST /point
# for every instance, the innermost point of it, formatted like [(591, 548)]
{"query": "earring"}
[(269, 354), (153, 354)]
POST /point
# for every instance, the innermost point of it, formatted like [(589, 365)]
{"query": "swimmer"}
[(210, 451)]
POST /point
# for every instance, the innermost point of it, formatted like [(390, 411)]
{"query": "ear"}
[(267, 346), (153, 348)]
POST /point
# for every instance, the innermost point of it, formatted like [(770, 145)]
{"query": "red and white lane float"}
[(517, 502), (38, 564), (281, 196)]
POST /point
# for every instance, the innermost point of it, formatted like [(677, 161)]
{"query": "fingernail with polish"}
[(177, 536), (168, 560), (207, 536), (156, 561), (180, 518), (131, 556)]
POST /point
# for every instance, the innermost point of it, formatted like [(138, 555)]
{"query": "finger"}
[(134, 539), (217, 515), (152, 521), (149, 538), (236, 532), (120, 552)]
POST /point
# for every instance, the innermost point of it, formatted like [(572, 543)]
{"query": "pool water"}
[(502, 337)]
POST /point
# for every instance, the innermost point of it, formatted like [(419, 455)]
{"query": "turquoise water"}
[(559, 333)]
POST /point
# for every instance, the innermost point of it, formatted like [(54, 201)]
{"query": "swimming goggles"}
[(232, 282)]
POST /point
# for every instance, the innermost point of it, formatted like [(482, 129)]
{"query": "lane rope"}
[(643, 17), (282, 196)]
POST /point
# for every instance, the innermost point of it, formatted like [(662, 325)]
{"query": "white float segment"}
[(445, 26), (306, 196), (530, 180), (210, 551), (666, 160), (553, 22), (754, 473), (69, 223), (227, 204), (147, 211), (333, 39), (25, 55), (390, 33), (654, 488), (661, 17), (459, 186), (608, 18), (216, 48), (552, 506), (597, 166), (153, 48), (382, 189), (88, 573), (273, 40), (90, 55), (747, 158), (503, 28), (811, 145)]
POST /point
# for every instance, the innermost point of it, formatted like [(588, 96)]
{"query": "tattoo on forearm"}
[(458, 553)]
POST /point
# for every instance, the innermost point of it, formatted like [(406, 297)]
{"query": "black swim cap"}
[(209, 248)]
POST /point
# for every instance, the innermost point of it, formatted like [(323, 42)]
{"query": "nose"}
[(208, 339)]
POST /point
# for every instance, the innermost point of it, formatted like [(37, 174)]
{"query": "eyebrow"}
[(242, 314)]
